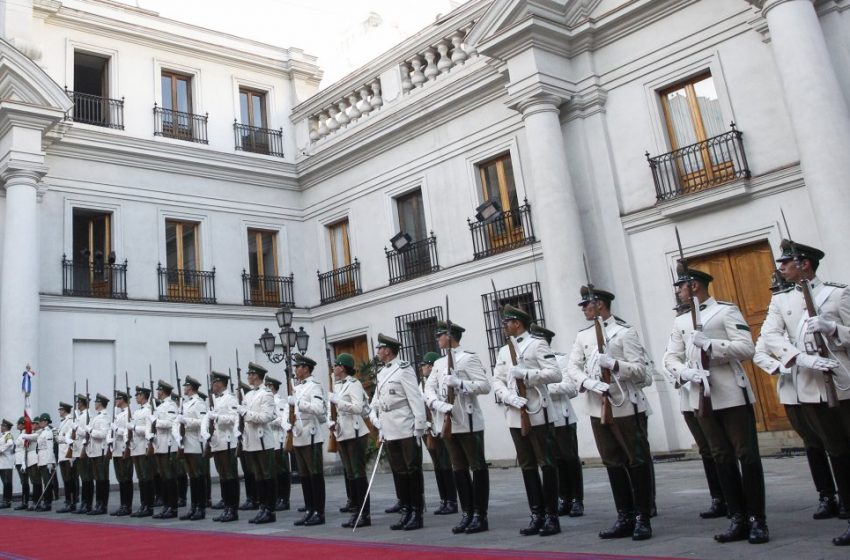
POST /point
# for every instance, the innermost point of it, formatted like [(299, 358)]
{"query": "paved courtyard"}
[(679, 532)]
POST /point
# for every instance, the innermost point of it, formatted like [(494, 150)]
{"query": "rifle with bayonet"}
[(450, 368), (211, 424), (239, 399), (112, 424), (607, 416), (333, 446), (69, 454), (811, 311), (128, 439), (83, 452), (151, 447), (373, 432), (289, 446), (704, 408), (182, 428), (525, 420)]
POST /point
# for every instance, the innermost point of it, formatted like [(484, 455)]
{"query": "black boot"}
[(716, 509), (415, 521), (623, 527), (577, 508), (318, 484), (194, 483), (266, 492), (182, 489), (250, 502), (463, 524), (534, 525), (739, 530), (549, 476), (358, 494), (284, 485), (534, 494), (395, 508), (479, 523), (827, 508), (480, 501), (758, 530), (349, 504), (643, 529), (551, 525), (307, 492), (843, 539)]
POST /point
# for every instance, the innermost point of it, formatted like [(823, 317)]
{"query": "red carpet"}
[(26, 538)]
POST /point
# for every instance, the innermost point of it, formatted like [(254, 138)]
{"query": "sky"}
[(340, 32)]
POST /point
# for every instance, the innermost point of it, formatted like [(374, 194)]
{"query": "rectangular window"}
[(340, 250), (91, 74), (411, 215), (181, 245), (416, 333), (262, 252), (92, 258), (176, 112), (497, 182), (252, 106), (526, 297)]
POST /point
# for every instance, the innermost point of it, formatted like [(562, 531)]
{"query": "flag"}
[(26, 388), (26, 380)]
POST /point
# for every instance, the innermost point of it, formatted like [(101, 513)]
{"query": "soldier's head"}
[(692, 283), (448, 334), (798, 262), (44, 420), (143, 394), (515, 320), (303, 367), (163, 390), (272, 384), (5, 426), (122, 399), (21, 424), (387, 348), (220, 382), (64, 409), (190, 386), (343, 366), (595, 303), (82, 402), (256, 374), (427, 363), (100, 402)]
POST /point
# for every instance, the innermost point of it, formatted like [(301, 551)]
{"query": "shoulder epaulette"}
[(537, 337), (785, 291), (725, 302), (835, 284), (468, 352), (585, 328), (402, 363), (621, 322)]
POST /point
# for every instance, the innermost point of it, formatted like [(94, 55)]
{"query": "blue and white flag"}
[(26, 380)]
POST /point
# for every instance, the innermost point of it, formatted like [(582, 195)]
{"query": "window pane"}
[(258, 117), (243, 107), (190, 259), (509, 180), (491, 182), (166, 92), (183, 95), (269, 258), (709, 107), (253, 261), (171, 245), (411, 215), (338, 244), (681, 122)]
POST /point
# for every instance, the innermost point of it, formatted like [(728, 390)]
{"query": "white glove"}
[(700, 340), (333, 397), (181, 419), (376, 422), (284, 423), (607, 362), (109, 440), (452, 381), (821, 325), (516, 401), (241, 410), (418, 433), (131, 425), (69, 441), (331, 424), (428, 425), (813, 361), (292, 400), (442, 407), (518, 372), (595, 386), (691, 374), (212, 415)]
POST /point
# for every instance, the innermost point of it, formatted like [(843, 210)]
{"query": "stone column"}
[(820, 119), (554, 212), (19, 282)]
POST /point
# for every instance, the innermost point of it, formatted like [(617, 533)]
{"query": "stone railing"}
[(353, 107), (435, 61)]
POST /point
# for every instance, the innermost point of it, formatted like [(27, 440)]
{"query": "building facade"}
[(167, 187)]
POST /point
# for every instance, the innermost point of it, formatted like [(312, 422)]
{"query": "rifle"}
[(373, 433), (239, 398), (430, 440), (607, 409), (112, 425), (211, 425), (450, 367), (69, 454), (333, 446), (525, 421), (182, 428), (128, 440), (811, 310), (83, 452), (289, 446), (151, 448), (705, 407)]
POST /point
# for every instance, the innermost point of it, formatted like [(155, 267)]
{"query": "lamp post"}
[(289, 339)]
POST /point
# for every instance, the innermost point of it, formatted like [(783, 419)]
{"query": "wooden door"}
[(742, 276), (357, 347)]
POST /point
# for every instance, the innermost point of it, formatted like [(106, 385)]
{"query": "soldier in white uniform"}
[(790, 332), (192, 415), (7, 462), (21, 466), (398, 411), (352, 435), (535, 368), (436, 446), (223, 443), (570, 476), (730, 427), (143, 464), (121, 461), (82, 462), (252, 500), (258, 441), (623, 445), (280, 426), (465, 447), (97, 450), (40, 449), (65, 458), (161, 433), (308, 435)]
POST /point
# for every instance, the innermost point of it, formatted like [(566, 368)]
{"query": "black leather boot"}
[(623, 527), (551, 525), (738, 530), (479, 523), (463, 524), (844, 539), (534, 525), (414, 522), (577, 508), (758, 530), (716, 509), (827, 508), (406, 513), (643, 528)]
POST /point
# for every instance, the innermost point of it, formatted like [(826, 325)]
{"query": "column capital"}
[(766, 5), (14, 173), (538, 98)]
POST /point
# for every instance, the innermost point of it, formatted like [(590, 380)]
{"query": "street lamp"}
[(289, 339)]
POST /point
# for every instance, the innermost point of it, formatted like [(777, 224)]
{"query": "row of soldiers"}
[(608, 364)]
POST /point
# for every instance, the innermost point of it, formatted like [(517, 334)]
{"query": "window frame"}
[(179, 223), (263, 95), (346, 225)]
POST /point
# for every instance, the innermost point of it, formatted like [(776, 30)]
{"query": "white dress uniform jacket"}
[(195, 414), (310, 413), (119, 430), (225, 436), (141, 426), (786, 316), (40, 447), (81, 424), (475, 381), (260, 411), (731, 342), (20, 452), (98, 432), (7, 451), (281, 416), (562, 393), (63, 436), (163, 421), (623, 344), (534, 355), (31, 449), (397, 405), (768, 351), (350, 407)]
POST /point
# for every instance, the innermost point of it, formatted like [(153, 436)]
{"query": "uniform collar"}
[(707, 303)]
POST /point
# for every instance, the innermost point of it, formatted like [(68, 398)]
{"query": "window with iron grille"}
[(525, 296), (416, 333)]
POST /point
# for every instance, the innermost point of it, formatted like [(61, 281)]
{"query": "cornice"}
[(150, 154)]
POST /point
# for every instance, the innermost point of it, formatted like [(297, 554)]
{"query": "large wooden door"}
[(742, 276), (357, 347)]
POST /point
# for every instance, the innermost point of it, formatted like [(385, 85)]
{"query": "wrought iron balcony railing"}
[(416, 259), (96, 110), (268, 291), (340, 283), (512, 229), (186, 286), (712, 162), (94, 279), (182, 126), (258, 140)]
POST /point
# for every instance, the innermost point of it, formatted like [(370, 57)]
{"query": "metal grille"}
[(525, 296), (180, 125), (339, 283), (512, 229), (94, 279), (268, 291), (416, 333), (258, 140), (416, 259), (97, 110), (186, 286)]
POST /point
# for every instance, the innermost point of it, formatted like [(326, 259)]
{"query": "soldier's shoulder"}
[(835, 284), (403, 364), (725, 303), (587, 328), (787, 290)]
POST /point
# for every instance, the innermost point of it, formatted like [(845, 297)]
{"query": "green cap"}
[(272, 381), (443, 328), (192, 382), (430, 357), (67, 407), (102, 399), (223, 377), (164, 386), (510, 312), (686, 275), (588, 295), (257, 368), (346, 360), (44, 418)]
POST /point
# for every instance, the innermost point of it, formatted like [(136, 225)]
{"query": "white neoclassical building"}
[(167, 187)]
